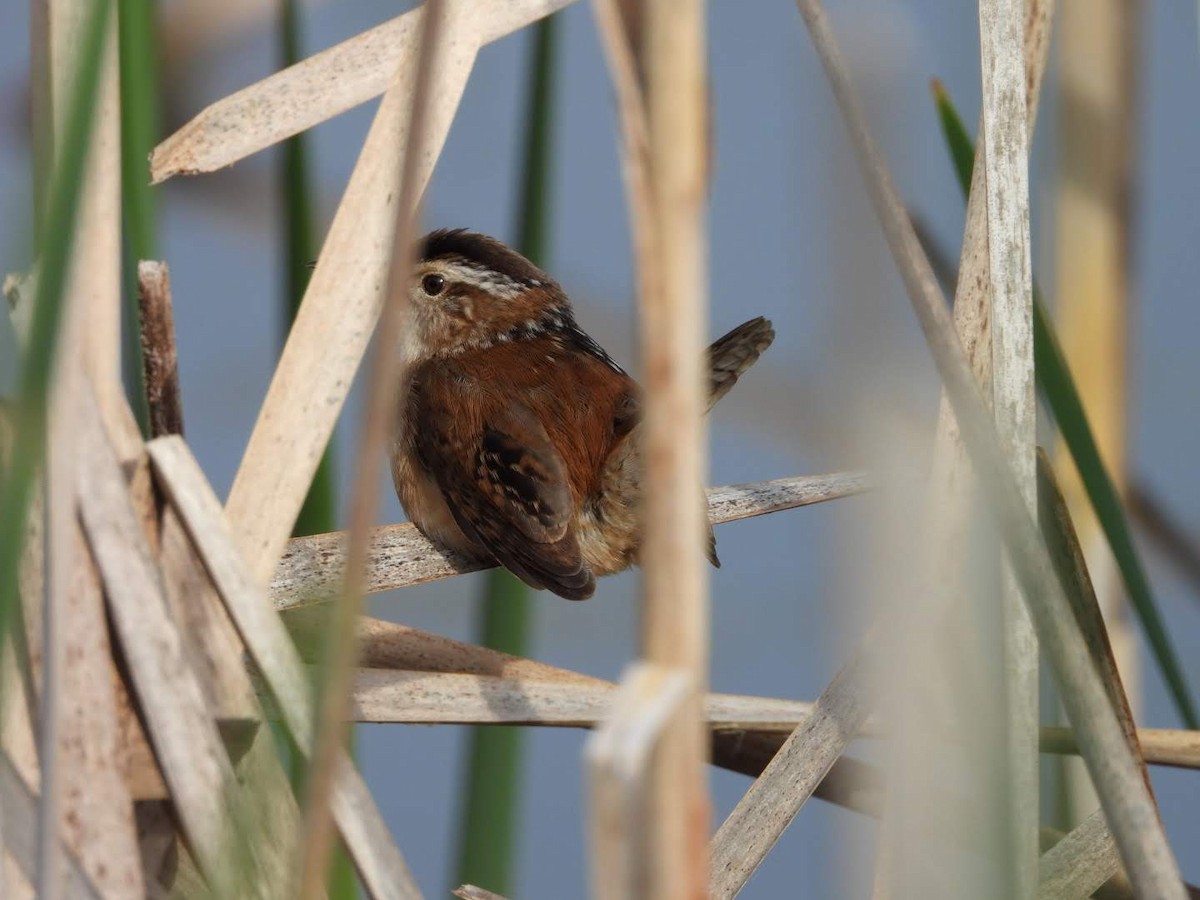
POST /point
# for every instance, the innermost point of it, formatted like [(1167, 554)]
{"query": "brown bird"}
[(517, 437)]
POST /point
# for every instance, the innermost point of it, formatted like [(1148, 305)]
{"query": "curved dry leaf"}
[(323, 86)]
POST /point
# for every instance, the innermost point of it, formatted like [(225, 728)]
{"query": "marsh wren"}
[(517, 438)]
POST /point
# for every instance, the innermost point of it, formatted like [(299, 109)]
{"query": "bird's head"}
[(470, 291)]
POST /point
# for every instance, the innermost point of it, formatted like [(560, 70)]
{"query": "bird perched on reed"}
[(517, 436)]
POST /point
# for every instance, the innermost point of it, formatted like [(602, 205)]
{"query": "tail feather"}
[(728, 358), (733, 354)]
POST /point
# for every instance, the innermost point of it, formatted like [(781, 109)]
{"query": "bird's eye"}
[(433, 284)]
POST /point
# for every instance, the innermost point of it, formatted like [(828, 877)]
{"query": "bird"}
[(516, 439)]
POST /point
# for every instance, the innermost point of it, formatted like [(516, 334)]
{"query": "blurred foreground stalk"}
[(318, 515), (489, 819)]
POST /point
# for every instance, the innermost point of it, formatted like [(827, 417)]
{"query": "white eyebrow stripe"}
[(489, 280)]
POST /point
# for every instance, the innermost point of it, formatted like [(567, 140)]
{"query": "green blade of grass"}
[(958, 140), (58, 233), (139, 129), (318, 514), (1058, 387), (488, 824)]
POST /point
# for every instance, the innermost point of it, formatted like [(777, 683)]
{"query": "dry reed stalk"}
[(1081, 863), (141, 770), (390, 645), (96, 817), (83, 791), (321, 87), (1130, 810), (19, 802), (25, 645), (64, 28), (18, 749), (674, 309), (956, 492), (639, 166), (471, 892), (17, 706), (96, 271), (185, 739), (59, 569), (972, 306), (395, 695), (210, 642), (1068, 554), (1098, 853), (516, 691), (768, 807), (1097, 60), (213, 651), (1159, 746), (159, 356), (211, 647), (1006, 163), (623, 780), (622, 40), (386, 370), (379, 863), (399, 555)]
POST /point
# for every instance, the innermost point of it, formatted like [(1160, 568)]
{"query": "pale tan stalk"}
[(1005, 159), (385, 372)]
